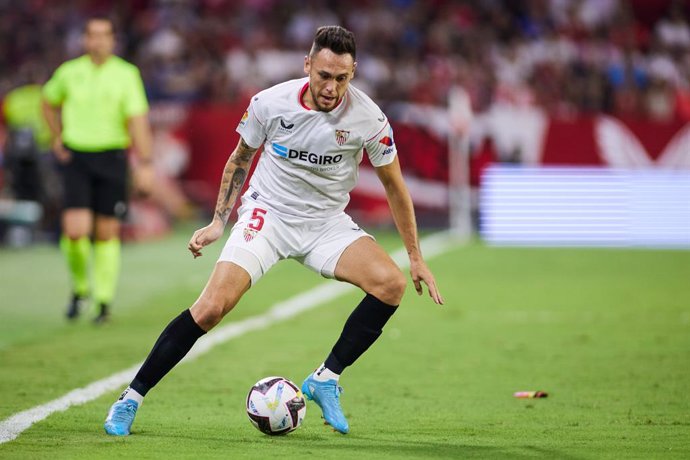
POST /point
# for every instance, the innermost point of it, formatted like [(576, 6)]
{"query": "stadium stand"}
[(558, 67)]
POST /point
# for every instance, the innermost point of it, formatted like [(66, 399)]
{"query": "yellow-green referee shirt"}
[(96, 102), (22, 108)]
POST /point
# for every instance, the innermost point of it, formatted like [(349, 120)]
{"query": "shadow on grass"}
[(361, 447)]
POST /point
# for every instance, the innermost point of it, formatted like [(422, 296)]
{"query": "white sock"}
[(130, 393), (323, 374)]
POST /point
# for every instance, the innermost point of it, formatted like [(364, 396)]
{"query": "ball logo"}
[(341, 136), (273, 405), (253, 408)]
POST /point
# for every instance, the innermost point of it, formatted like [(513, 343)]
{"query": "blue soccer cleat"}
[(120, 417), (327, 396)]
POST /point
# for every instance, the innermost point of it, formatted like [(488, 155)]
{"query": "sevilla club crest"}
[(341, 136), (249, 234)]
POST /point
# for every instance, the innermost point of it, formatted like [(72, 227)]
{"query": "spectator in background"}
[(629, 79), (674, 30), (30, 169), (179, 44), (96, 107), (28, 136), (566, 57), (659, 101)]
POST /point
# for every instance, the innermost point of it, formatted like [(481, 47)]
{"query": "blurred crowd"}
[(626, 57), (517, 61)]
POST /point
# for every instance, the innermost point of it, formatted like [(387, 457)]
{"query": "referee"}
[(96, 108)]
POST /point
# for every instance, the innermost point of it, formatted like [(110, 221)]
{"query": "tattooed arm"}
[(234, 174)]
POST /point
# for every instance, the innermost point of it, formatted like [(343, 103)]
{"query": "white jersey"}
[(311, 158)]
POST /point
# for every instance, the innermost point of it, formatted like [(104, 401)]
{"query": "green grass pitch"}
[(605, 332)]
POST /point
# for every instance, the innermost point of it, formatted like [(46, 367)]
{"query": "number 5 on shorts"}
[(257, 219)]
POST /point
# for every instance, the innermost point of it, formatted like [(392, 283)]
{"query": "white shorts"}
[(260, 238)]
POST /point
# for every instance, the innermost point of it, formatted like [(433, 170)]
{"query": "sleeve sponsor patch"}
[(243, 121), (381, 148)]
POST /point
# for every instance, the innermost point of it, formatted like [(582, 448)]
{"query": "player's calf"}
[(172, 345)]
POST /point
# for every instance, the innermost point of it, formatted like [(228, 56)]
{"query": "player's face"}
[(329, 76), (99, 39)]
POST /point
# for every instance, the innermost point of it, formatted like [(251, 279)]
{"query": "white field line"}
[(13, 426)]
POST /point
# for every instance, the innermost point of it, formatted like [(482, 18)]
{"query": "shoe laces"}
[(337, 390), (124, 413)]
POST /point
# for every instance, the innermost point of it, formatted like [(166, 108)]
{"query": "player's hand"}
[(61, 153), (421, 273), (205, 236), (144, 177)]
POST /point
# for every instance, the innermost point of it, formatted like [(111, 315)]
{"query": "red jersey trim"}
[(384, 127), (301, 95)]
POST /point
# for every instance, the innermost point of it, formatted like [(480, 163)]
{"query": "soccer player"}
[(96, 107), (314, 131)]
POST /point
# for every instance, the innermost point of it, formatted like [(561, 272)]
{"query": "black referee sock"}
[(173, 344), (361, 329)]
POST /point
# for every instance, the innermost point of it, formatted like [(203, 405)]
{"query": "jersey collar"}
[(93, 65)]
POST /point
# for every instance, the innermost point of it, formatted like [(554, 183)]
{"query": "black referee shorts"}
[(96, 180)]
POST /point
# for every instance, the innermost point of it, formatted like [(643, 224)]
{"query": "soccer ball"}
[(275, 405)]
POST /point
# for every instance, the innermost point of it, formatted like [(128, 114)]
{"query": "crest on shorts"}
[(249, 234), (341, 136)]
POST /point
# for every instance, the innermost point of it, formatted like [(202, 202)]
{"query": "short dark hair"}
[(335, 38), (99, 17)]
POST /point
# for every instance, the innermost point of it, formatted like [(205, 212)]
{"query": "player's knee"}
[(209, 310), (391, 288), (206, 316), (101, 235), (75, 232), (106, 229), (398, 286)]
